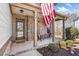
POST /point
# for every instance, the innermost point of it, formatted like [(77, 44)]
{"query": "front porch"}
[(28, 25), (29, 22), (19, 48)]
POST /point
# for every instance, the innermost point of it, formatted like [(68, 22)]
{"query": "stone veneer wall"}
[(5, 26), (31, 28)]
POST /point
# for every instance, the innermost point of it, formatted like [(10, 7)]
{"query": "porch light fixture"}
[(21, 11)]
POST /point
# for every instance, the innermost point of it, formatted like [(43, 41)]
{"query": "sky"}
[(65, 8)]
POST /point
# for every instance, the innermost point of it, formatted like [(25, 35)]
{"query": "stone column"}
[(35, 19)]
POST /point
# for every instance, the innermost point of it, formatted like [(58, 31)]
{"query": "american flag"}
[(48, 12)]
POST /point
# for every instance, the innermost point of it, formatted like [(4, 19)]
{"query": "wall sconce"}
[(21, 11)]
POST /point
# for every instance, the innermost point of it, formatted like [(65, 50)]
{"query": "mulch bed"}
[(45, 51)]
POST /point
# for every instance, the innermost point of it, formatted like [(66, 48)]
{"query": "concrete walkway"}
[(30, 53)]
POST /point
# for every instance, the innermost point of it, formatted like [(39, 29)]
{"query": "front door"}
[(20, 29)]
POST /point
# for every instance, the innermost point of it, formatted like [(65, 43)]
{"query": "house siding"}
[(5, 25)]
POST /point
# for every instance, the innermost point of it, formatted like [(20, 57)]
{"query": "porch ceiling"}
[(28, 6), (32, 7)]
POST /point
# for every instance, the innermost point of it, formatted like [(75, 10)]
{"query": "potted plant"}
[(53, 47)]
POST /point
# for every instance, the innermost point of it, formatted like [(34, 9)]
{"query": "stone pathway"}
[(76, 44)]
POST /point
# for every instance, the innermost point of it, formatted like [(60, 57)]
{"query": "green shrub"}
[(72, 33), (68, 33), (52, 45)]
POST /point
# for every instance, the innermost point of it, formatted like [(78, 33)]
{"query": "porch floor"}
[(27, 48)]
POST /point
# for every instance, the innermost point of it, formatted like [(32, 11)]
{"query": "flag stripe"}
[(48, 12), (43, 14)]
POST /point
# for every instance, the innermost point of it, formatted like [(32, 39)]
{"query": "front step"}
[(20, 41)]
